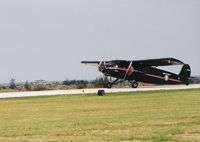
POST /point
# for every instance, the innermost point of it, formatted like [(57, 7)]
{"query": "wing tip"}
[(94, 63)]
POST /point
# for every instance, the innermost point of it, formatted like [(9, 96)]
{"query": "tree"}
[(100, 82), (66, 82), (27, 86), (12, 84)]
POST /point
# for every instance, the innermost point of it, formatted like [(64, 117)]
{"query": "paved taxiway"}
[(89, 91)]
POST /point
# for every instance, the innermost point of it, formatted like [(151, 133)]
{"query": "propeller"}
[(102, 65)]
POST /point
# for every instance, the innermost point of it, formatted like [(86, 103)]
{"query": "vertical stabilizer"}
[(185, 73)]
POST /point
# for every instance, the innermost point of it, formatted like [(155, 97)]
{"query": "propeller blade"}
[(128, 69), (102, 65)]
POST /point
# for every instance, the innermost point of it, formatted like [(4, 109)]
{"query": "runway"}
[(91, 91)]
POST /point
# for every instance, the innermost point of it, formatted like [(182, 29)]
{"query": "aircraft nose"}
[(102, 68)]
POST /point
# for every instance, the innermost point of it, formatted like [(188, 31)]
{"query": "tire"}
[(109, 85), (187, 82), (134, 84)]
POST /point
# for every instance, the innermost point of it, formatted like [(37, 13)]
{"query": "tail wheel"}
[(187, 82), (109, 85), (134, 84)]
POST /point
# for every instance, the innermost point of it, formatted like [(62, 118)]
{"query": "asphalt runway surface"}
[(91, 91)]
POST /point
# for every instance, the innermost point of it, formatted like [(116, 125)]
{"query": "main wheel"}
[(109, 85), (134, 84)]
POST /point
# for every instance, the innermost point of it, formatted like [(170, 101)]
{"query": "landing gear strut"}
[(134, 84), (110, 84)]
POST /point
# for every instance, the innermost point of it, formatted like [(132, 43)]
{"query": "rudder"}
[(185, 73)]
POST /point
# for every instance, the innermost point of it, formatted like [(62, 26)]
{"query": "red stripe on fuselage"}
[(175, 80), (155, 76), (160, 77), (116, 68)]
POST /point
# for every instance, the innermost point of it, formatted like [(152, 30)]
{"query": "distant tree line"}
[(98, 82), (66, 84)]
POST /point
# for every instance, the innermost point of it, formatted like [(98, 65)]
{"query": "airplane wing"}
[(158, 62), (93, 63), (139, 63)]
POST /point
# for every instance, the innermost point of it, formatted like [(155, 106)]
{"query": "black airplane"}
[(143, 71)]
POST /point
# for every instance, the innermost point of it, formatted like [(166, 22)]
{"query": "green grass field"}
[(157, 116)]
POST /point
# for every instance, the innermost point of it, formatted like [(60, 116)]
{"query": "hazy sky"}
[(47, 39)]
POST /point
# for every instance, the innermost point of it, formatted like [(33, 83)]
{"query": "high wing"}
[(93, 63), (158, 62), (140, 63)]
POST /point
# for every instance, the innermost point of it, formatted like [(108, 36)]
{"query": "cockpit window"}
[(117, 64), (110, 64)]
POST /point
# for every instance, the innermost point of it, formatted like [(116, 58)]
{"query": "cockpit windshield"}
[(117, 64), (111, 64)]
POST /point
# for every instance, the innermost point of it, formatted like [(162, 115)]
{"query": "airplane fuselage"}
[(146, 75)]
